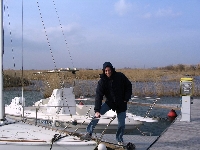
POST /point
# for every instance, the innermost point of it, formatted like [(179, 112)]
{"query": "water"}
[(155, 128), (30, 96)]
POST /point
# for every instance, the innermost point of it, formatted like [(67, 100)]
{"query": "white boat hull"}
[(82, 122), (21, 136), (61, 110)]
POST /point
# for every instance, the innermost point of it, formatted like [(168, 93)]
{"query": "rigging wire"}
[(64, 37), (63, 33), (65, 40), (6, 9), (61, 82), (10, 33), (56, 67), (47, 38)]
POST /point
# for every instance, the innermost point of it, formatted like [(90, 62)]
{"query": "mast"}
[(2, 110)]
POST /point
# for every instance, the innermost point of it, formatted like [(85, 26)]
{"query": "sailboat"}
[(19, 135)]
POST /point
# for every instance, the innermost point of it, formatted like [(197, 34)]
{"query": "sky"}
[(49, 34)]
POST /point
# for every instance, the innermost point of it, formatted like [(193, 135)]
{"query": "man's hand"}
[(97, 115)]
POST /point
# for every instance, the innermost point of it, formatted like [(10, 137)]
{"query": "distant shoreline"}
[(159, 82)]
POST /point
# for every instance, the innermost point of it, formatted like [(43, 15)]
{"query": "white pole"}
[(2, 110)]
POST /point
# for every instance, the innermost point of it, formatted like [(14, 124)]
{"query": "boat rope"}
[(63, 33), (141, 132), (151, 105), (150, 108), (147, 112), (103, 132), (58, 136), (55, 138)]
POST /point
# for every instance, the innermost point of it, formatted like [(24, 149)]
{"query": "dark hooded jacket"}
[(116, 89)]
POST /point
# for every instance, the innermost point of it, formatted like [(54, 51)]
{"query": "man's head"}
[(108, 69)]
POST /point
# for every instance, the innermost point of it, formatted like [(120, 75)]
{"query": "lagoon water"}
[(160, 113), (155, 128)]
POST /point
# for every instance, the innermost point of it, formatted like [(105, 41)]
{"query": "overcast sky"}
[(86, 33)]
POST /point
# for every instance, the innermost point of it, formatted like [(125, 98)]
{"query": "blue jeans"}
[(121, 122)]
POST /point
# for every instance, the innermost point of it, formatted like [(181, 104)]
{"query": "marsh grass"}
[(145, 82)]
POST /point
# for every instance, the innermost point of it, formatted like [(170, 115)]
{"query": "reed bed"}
[(145, 82)]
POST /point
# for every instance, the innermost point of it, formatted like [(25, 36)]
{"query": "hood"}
[(107, 64)]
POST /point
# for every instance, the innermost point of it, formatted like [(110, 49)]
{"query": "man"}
[(117, 89)]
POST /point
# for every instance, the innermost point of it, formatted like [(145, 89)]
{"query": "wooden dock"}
[(181, 135)]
